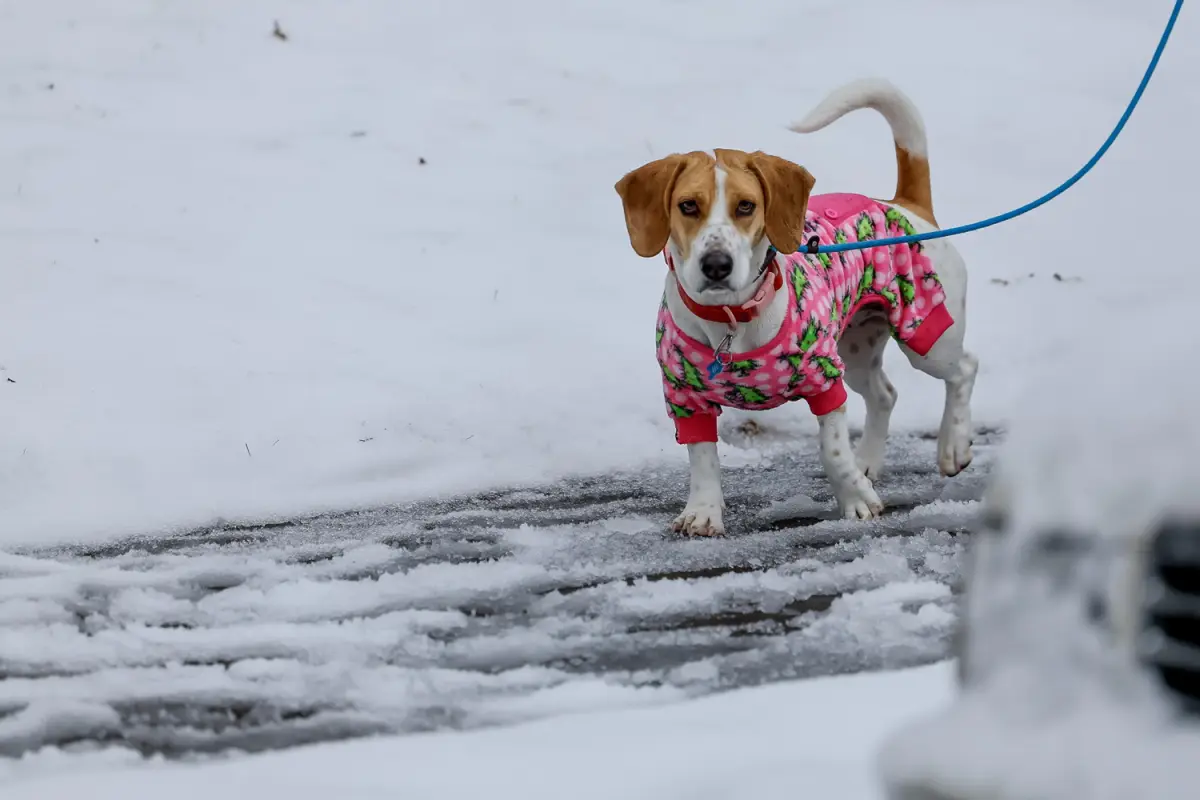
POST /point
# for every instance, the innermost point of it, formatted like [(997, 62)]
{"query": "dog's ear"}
[(786, 187), (646, 195)]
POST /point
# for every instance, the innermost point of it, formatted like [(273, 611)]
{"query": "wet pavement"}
[(490, 609)]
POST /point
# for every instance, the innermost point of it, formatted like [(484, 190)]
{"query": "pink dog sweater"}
[(824, 292)]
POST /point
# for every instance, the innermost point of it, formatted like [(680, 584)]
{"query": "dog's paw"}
[(702, 519), (860, 501), (869, 458), (954, 450)]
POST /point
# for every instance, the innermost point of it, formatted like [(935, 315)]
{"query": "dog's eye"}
[(689, 208), (745, 208)]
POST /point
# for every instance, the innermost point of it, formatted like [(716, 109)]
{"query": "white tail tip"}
[(900, 112)]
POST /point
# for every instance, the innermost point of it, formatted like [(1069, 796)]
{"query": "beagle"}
[(749, 319)]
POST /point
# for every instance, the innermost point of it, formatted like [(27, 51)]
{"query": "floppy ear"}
[(786, 187), (646, 194)]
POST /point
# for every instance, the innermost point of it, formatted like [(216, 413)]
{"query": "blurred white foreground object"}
[(1079, 654)]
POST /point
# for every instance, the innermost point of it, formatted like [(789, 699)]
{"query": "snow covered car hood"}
[(1056, 703)]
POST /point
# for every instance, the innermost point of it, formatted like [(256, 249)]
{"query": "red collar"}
[(732, 315)]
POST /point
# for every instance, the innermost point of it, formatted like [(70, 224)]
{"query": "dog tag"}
[(721, 357)]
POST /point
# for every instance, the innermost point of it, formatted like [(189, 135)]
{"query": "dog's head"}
[(719, 214)]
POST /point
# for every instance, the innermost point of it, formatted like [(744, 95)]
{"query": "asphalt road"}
[(476, 611)]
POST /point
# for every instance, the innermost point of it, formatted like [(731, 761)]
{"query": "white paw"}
[(869, 458), (701, 519), (954, 450), (860, 501)]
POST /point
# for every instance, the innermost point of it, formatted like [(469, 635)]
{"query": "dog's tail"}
[(913, 190)]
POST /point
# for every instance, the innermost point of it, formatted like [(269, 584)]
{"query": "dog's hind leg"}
[(949, 361), (954, 436), (861, 348)]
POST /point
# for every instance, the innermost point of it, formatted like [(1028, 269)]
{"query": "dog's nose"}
[(716, 265)]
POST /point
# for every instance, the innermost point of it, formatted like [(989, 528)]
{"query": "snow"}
[(327, 629), (382, 259), (1101, 750), (813, 738), (1059, 704)]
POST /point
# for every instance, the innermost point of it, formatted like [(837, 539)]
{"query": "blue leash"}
[(812, 246)]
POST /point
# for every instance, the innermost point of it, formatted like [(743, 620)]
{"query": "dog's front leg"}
[(706, 503), (855, 495)]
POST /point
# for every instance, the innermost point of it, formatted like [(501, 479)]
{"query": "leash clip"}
[(814, 245)]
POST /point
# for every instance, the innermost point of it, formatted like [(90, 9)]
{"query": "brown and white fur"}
[(736, 203)]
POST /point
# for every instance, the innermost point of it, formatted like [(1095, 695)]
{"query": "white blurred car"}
[(1079, 648)]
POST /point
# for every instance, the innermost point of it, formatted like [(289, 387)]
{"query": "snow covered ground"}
[(807, 739), (246, 276), (243, 276)]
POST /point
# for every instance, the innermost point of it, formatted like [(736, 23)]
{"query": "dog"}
[(749, 319)]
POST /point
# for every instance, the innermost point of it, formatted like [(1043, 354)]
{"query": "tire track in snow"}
[(475, 611)]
